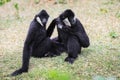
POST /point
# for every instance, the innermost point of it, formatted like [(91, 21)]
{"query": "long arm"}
[(27, 50), (26, 54), (51, 28)]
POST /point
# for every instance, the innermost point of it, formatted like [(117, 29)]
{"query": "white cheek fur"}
[(60, 26), (39, 21), (74, 20), (66, 21)]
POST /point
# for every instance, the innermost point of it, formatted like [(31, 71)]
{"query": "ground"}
[(100, 61)]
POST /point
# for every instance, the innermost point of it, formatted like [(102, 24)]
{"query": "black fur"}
[(37, 43), (76, 27), (73, 37)]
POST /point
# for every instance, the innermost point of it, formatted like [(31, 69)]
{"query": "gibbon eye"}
[(62, 17)]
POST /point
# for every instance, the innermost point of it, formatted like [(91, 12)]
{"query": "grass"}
[(100, 61)]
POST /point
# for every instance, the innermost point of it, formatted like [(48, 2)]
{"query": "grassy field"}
[(100, 61)]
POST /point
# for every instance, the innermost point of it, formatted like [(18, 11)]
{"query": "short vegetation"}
[(100, 61)]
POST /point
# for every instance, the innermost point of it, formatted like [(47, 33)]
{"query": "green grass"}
[(100, 61)]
